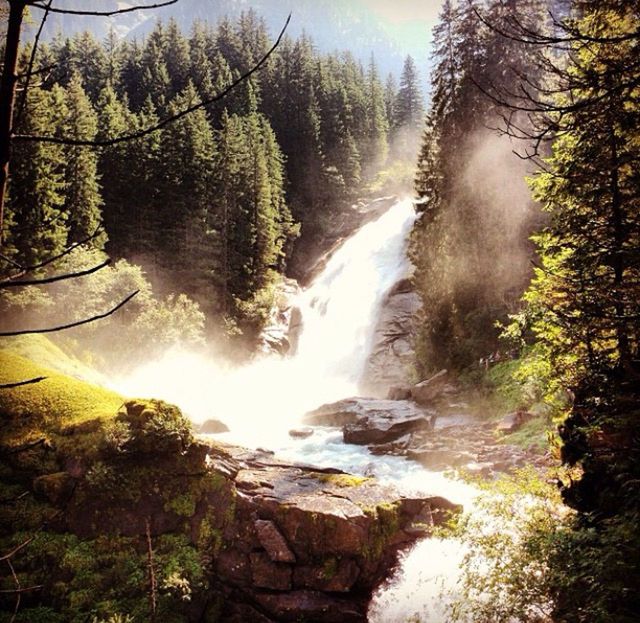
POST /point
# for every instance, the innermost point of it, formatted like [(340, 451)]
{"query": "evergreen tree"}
[(83, 201), (185, 241), (176, 57), (375, 146), (390, 98), (37, 187), (409, 107)]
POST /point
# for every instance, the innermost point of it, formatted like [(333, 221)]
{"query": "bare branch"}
[(17, 590), (21, 383), (71, 324), (27, 269), (45, 280), (153, 583), (16, 549), (165, 122), (141, 7)]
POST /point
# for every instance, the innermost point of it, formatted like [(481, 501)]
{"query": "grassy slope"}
[(48, 406)]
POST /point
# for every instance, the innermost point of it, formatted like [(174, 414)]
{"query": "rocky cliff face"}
[(133, 510), (392, 359)]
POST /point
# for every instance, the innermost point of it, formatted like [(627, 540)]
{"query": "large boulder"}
[(428, 391), (392, 357), (367, 421)]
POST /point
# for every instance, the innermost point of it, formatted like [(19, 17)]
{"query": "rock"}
[(56, 488), (381, 429), (282, 328), (309, 606), (273, 542), (336, 413), (268, 574), (213, 427), (514, 421), (301, 433), (426, 392), (399, 392), (370, 421), (335, 576), (392, 357)]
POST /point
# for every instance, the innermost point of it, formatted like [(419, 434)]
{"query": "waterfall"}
[(262, 401)]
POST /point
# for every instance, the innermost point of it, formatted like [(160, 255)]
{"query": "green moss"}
[(330, 568), (57, 402), (41, 350), (385, 523), (534, 433), (183, 505), (343, 480)]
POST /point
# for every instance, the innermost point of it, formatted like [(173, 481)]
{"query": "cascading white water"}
[(262, 401)]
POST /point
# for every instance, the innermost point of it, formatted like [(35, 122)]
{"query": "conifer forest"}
[(322, 311)]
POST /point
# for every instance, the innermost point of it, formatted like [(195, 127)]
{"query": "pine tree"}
[(83, 201), (187, 169), (176, 57), (390, 98), (409, 109), (37, 183), (375, 146)]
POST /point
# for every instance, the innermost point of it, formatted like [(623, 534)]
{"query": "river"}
[(262, 401)]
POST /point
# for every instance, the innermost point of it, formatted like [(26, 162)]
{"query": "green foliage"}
[(146, 326), (529, 559), (470, 243)]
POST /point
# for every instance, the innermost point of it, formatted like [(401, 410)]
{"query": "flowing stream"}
[(261, 402)]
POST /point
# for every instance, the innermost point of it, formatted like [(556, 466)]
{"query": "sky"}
[(401, 11)]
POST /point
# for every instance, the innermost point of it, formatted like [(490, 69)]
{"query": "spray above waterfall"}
[(261, 401)]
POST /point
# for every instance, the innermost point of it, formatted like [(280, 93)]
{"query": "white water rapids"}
[(261, 402)]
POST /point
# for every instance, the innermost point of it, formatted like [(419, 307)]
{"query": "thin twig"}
[(141, 7), (71, 324), (45, 280), (21, 383), (153, 584)]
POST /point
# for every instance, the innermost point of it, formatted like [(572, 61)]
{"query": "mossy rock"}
[(155, 427)]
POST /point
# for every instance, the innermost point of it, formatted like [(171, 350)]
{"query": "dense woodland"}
[(213, 206), (561, 84)]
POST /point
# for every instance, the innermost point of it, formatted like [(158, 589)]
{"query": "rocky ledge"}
[(230, 534), (310, 544)]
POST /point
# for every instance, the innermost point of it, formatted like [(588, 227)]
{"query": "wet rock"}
[(301, 433), (428, 391), (369, 421), (213, 427), (383, 428), (281, 331), (339, 413)]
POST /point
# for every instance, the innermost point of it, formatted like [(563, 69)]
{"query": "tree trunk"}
[(8, 96)]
